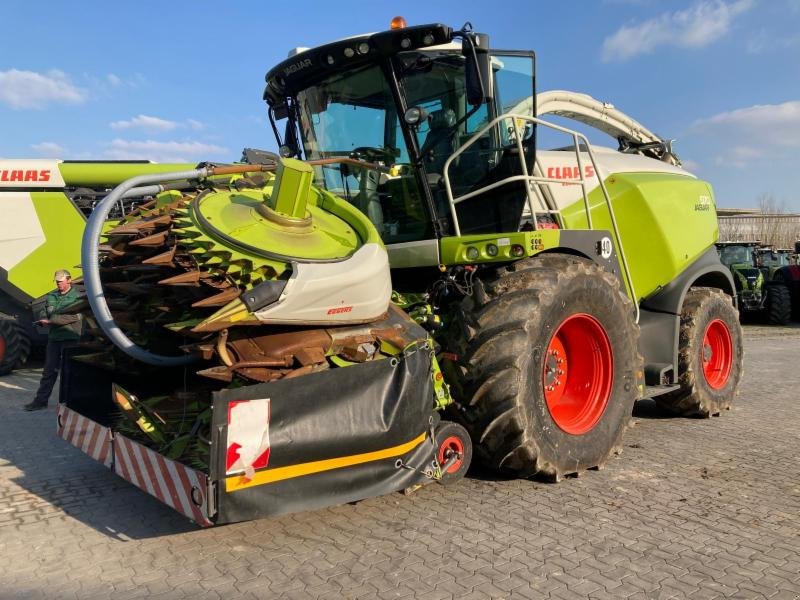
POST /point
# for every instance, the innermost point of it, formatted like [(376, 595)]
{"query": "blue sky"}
[(183, 80)]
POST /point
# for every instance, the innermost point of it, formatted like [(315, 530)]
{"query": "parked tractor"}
[(779, 266), (412, 277), (758, 292)]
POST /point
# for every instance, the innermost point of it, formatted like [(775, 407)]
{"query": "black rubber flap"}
[(323, 439), (86, 389)]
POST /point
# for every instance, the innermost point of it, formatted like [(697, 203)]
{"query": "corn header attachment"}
[(233, 278)]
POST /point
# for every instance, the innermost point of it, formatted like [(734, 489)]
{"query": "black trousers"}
[(52, 364)]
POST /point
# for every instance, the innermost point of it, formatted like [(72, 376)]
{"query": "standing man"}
[(65, 329)]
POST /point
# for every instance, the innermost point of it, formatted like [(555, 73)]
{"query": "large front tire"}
[(549, 366), (709, 355)]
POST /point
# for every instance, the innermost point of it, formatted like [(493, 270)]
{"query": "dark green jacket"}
[(64, 326)]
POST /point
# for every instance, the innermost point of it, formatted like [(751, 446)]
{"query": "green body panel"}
[(665, 221), (348, 213), (110, 174), (454, 250), (62, 224)]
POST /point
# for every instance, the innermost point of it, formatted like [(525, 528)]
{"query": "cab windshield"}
[(774, 259), (354, 114), (736, 255)]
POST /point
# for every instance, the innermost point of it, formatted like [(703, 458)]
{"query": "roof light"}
[(349, 52), (398, 23), (363, 48)]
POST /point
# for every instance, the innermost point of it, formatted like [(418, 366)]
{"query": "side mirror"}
[(415, 116), (290, 146), (478, 75)]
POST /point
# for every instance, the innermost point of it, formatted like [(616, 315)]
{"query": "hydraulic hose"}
[(90, 261)]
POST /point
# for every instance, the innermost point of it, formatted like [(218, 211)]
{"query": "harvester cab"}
[(403, 102)]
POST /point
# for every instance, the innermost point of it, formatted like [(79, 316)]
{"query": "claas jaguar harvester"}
[(410, 278)]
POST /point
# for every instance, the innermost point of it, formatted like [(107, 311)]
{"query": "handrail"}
[(535, 180)]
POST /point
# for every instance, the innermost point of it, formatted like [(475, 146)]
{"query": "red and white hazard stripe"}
[(180, 487), (90, 437)]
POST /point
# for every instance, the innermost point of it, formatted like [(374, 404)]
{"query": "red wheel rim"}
[(717, 354), (2, 348), (578, 374), (449, 446)]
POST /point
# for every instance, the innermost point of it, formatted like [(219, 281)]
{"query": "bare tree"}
[(776, 228), (772, 224), (732, 230), (768, 205)]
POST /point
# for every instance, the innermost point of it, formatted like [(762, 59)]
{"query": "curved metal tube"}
[(90, 262)]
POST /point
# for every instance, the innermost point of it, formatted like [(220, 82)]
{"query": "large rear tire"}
[(14, 345), (549, 359), (779, 304), (709, 355)]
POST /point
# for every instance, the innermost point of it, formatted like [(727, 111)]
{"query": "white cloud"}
[(755, 133), (172, 151), (28, 89), (146, 123), (49, 149), (757, 42), (763, 124), (691, 165), (761, 42), (695, 27), (738, 156), (156, 124), (131, 81)]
